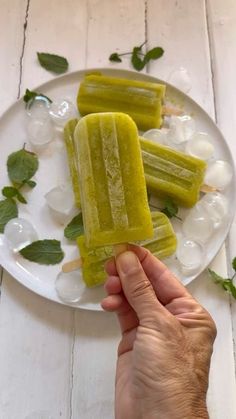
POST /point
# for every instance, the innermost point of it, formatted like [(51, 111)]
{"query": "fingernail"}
[(126, 262)]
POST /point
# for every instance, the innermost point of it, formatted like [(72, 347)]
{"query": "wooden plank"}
[(222, 23), (12, 19), (37, 335), (35, 346), (181, 28), (111, 25), (59, 28)]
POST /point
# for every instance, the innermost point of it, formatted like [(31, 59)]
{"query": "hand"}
[(167, 339)]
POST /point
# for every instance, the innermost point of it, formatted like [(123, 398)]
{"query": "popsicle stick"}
[(120, 248), (168, 111), (207, 188), (72, 265)]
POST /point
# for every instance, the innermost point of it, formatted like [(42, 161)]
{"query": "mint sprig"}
[(44, 252), (138, 58), (171, 209), (22, 166), (226, 283), (30, 96), (52, 62)]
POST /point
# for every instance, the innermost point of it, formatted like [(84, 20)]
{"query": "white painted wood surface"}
[(55, 360)]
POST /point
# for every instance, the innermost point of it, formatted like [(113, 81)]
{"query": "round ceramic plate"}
[(53, 171)]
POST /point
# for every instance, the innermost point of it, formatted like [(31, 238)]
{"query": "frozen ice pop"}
[(112, 184), (71, 157), (172, 173), (163, 244), (141, 100)]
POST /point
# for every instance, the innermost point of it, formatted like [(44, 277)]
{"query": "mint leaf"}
[(234, 264), (170, 209), (21, 166), (9, 191), (20, 197), (216, 278), (44, 252), (8, 210), (52, 62), (30, 183), (75, 228), (137, 62), (115, 57), (153, 54), (30, 96)]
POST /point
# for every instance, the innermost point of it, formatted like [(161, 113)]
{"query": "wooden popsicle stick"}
[(168, 111), (71, 266), (206, 189)]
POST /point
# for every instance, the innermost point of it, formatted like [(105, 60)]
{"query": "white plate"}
[(53, 170)]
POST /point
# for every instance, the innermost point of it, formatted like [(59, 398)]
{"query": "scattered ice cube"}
[(19, 233), (180, 78), (181, 129), (216, 206), (61, 202), (190, 255), (70, 286), (200, 146), (197, 225), (40, 132), (157, 135), (38, 108), (61, 111), (218, 174)]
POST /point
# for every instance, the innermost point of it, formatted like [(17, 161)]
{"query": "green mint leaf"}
[(44, 252), (52, 62), (216, 278), (31, 183), (21, 166), (20, 197), (30, 96), (75, 228), (170, 209), (8, 210), (137, 62), (234, 264), (153, 54), (9, 191), (231, 289), (115, 57)]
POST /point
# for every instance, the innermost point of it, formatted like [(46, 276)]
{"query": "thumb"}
[(138, 289)]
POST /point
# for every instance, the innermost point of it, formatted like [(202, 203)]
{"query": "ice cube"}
[(200, 146), (38, 108), (61, 202), (197, 225), (216, 206), (19, 233), (157, 135), (190, 254), (218, 174), (61, 111), (40, 132), (181, 79), (70, 286), (181, 129)]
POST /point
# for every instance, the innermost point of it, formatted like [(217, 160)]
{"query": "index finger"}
[(166, 286)]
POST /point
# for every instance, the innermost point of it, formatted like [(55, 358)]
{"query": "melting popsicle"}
[(141, 100), (70, 149), (172, 173), (162, 245), (112, 184)]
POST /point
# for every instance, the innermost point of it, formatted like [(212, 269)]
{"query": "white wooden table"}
[(56, 362)]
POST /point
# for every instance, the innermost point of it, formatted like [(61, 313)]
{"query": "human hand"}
[(167, 340)]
